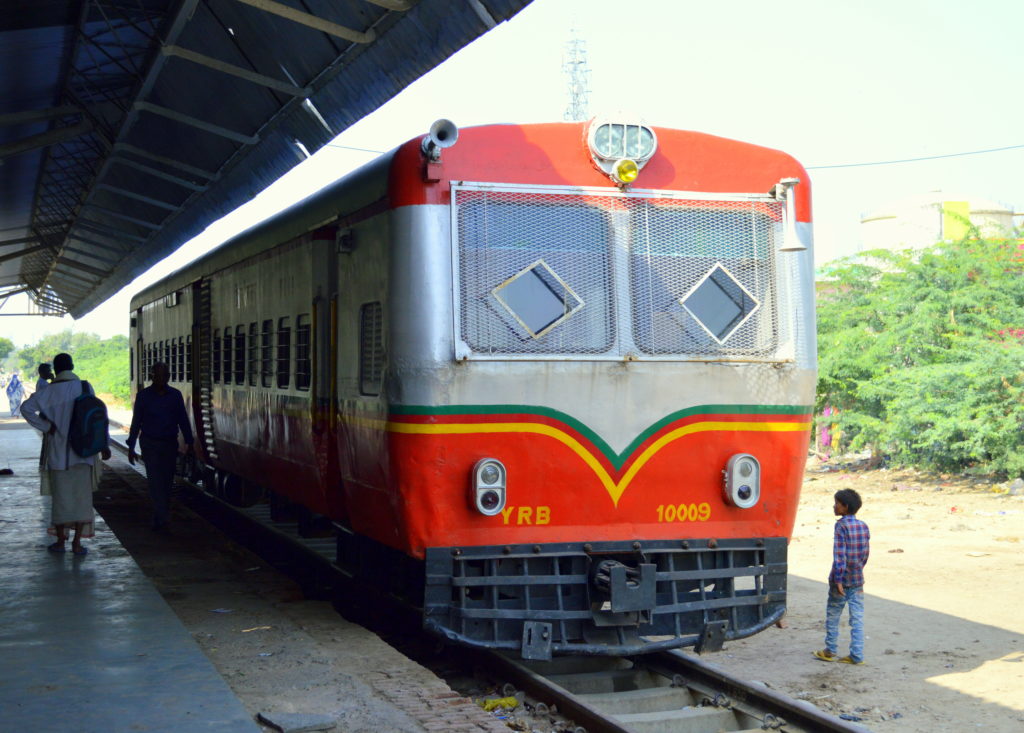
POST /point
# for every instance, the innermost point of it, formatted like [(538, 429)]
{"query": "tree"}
[(104, 362), (6, 347), (923, 354)]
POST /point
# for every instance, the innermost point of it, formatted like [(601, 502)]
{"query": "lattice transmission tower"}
[(575, 67)]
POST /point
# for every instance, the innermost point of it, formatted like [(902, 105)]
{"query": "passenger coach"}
[(551, 382)]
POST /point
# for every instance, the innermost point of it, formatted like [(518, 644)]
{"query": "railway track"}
[(666, 692)]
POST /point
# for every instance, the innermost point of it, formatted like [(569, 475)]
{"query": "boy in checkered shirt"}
[(846, 581)]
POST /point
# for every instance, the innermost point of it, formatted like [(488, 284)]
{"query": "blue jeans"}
[(854, 598)]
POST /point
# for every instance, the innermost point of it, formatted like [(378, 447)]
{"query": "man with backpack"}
[(70, 417), (159, 413)]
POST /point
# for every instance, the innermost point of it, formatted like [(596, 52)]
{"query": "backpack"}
[(87, 434)]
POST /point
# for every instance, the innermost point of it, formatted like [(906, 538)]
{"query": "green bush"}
[(923, 354)]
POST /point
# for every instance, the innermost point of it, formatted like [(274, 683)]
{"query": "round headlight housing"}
[(487, 488), (626, 170), (742, 481)]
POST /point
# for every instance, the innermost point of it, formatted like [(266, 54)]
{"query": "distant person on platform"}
[(159, 414), (45, 376), (15, 393), (64, 474)]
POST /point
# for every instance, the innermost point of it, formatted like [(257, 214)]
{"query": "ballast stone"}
[(297, 722)]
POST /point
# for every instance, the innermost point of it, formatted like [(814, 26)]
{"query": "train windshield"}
[(598, 275), (535, 272)]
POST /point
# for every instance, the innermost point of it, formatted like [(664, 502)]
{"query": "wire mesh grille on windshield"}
[(557, 273), (535, 273), (702, 275)]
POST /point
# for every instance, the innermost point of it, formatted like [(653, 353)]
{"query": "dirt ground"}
[(944, 605)]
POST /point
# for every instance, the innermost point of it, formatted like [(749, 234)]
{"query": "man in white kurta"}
[(69, 477)]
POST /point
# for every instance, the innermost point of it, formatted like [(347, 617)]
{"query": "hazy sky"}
[(831, 83)]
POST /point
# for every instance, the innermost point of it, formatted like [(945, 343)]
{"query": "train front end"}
[(602, 375)]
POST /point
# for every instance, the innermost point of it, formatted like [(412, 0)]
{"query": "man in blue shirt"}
[(159, 414)]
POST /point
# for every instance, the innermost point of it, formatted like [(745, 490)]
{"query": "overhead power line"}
[(349, 147), (915, 160), (810, 167)]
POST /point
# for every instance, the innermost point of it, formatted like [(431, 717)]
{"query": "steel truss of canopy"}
[(127, 126)]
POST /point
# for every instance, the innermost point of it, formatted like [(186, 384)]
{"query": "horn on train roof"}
[(443, 134)]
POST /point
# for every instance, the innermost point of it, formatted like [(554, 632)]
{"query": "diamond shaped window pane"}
[(537, 298), (719, 303)]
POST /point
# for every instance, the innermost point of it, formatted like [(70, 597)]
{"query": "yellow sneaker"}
[(849, 660), (824, 655)]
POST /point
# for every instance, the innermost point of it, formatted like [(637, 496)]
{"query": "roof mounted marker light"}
[(742, 481), (626, 170), (621, 149), (442, 134)]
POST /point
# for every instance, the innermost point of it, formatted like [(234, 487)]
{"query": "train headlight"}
[(488, 489), (742, 481), (621, 148)]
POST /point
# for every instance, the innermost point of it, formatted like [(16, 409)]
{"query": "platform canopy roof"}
[(127, 126)]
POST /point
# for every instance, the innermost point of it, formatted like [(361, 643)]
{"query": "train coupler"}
[(628, 588)]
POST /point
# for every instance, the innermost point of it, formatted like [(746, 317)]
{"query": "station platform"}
[(87, 643)]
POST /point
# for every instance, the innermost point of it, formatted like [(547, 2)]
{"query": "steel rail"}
[(710, 687)]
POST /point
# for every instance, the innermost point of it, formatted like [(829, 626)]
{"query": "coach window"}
[(267, 353), (216, 355), (371, 348), (254, 354), (227, 355), (187, 364), (303, 362), (284, 352), (239, 354), (179, 357)]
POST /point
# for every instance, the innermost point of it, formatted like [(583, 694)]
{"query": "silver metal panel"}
[(618, 399)]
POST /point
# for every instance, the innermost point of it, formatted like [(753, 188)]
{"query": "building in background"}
[(925, 219)]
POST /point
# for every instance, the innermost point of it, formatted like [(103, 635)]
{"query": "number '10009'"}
[(684, 512)]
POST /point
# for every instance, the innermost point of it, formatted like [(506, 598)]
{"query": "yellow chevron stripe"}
[(614, 488)]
